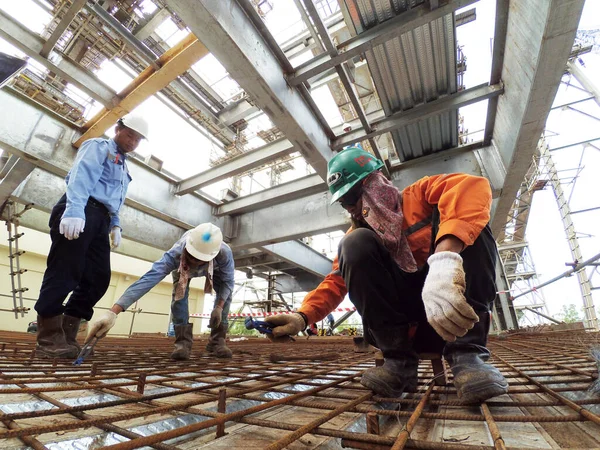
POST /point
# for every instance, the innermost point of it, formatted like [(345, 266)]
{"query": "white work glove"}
[(444, 297), (71, 227), (115, 237), (215, 317), (102, 326), (285, 325)]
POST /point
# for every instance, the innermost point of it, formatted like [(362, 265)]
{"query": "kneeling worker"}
[(200, 252), (414, 261)]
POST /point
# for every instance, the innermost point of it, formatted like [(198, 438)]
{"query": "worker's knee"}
[(358, 247)]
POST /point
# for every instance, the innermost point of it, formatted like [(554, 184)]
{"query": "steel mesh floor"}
[(130, 395)]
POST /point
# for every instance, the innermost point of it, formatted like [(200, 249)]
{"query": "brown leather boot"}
[(51, 341), (183, 342), (70, 326), (216, 344)]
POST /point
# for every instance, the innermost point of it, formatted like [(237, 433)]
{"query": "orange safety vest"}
[(463, 202)]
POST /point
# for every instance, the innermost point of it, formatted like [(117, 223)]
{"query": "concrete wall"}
[(126, 270)]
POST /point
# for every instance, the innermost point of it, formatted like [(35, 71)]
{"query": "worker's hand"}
[(285, 325), (71, 227), (215, 317), (444, 297), (102, 326), (115, 237)]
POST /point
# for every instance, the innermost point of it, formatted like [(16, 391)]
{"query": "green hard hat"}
[(347, 168)]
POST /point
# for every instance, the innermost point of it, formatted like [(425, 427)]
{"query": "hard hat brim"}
[(341, 192), (206, 257), (137, 131)]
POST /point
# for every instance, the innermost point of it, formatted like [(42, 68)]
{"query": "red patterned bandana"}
[(185, 266), (382, 210)]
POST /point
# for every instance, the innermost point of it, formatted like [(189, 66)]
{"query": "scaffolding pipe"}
[(568, 273), (551, 319)]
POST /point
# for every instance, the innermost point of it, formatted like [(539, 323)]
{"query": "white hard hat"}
[(136, 123), (204, 241)]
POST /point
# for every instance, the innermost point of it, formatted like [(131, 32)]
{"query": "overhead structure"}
[(171, 64)]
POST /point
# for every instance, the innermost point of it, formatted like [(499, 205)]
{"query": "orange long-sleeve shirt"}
[(464, 203)]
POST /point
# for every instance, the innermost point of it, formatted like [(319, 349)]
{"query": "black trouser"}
[(81, 266), (386, 297)]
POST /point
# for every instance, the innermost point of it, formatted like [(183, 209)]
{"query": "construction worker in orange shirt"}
[(419, 265)]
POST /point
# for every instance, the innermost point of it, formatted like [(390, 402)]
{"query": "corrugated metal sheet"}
[(417, 67)]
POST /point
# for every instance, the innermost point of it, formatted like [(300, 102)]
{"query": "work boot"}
[(70, 326), (51, 341), (475, 380), (183, 342), (399, 371), (216, 343)]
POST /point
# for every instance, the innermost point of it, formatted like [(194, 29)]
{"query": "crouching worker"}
[(419, 265), (200, 252)]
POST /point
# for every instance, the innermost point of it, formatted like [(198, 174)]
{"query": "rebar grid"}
[(131, 395)]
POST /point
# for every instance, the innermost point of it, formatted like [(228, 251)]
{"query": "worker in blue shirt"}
[(80, 226), (200, 252)]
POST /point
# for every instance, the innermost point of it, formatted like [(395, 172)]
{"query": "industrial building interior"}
[(248, 100)]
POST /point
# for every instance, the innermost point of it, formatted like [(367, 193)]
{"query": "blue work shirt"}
[(101, 172), (223, 273)]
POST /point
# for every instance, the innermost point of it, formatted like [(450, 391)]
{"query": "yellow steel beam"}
[(172, 63)]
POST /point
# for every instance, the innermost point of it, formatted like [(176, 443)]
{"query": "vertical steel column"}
[(565, 215), (504, 310)]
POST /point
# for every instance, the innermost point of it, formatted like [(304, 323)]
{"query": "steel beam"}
[(43, 189), (61, 27), (538, 43), (239, 164), (303, 282), (172, 63), (237, 112), (584, 80), (497, 61), (284, 192), (357, 45), (300, 255), (421, 112), (31, 44), (149, 57), (157, 19), (19, 170), (345, 78), (313, 214), (231, 36)]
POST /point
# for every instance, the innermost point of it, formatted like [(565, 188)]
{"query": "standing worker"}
[(199, 252), (80, 225), (414, 261)]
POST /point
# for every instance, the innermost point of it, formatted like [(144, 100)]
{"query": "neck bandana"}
[(382, 210), (186, 268)]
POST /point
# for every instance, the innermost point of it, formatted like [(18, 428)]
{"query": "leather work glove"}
[(115, 237), (71, 227), (101, 326), (444, 297), (215, 317), (285, 325)]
